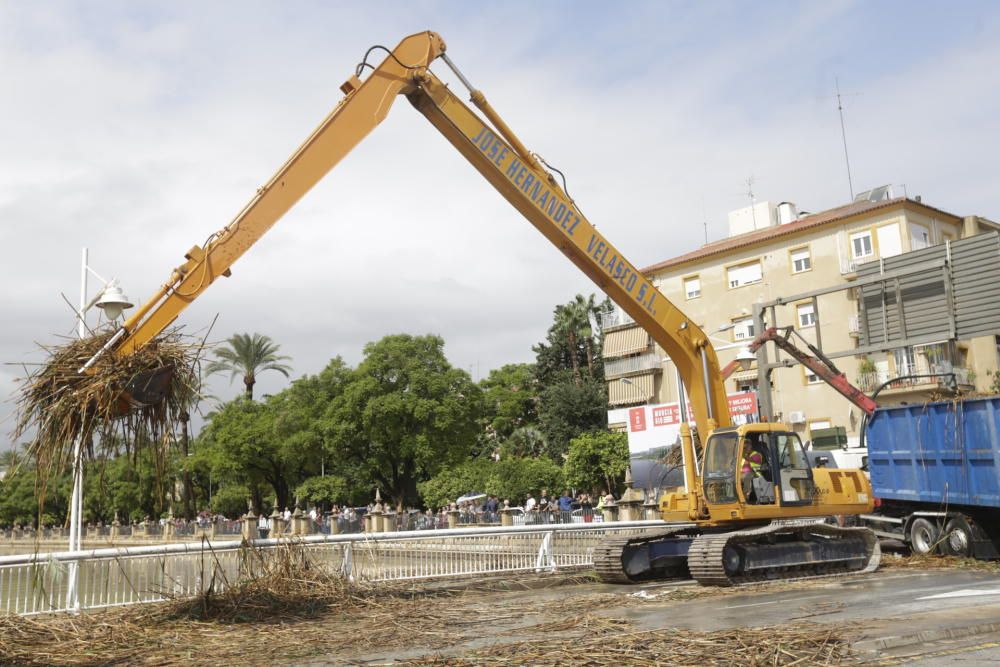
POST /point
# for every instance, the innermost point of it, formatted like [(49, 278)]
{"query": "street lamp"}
[(112, 301), (745, 358)]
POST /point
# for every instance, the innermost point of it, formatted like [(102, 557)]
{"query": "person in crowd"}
[(530, 503), (565, 506), (263, 526)]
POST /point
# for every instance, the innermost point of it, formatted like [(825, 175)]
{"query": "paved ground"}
[(927, 618)]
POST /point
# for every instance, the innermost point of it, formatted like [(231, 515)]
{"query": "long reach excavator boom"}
[(497, 153), (713, 498)]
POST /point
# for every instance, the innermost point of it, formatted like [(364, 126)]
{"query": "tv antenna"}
[(843, 133), (753, 200)]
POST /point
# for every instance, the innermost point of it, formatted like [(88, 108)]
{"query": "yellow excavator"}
[(730, 526)]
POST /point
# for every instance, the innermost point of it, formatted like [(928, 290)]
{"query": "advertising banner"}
[(656, 426)]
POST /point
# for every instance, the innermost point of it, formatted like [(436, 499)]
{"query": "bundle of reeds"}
[(61, 404)]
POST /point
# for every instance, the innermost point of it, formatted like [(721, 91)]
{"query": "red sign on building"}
[(743, 404), (637, 419), (665, 415)]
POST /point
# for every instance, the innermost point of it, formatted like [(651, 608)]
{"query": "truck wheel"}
[(923, 536), (957, 538)]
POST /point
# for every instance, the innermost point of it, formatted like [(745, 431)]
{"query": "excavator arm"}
[(500, 157), (817, 362)]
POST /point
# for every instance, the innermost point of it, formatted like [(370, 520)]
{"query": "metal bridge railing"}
[(37, 583)]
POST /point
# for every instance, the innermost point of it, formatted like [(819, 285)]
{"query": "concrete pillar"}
[(610, 512), (334, 523), (277, 524), (249, 527), (168, 530), (650, 510), (631, 502), (506, 517), (373, 520), (300, 521), (388, 521), (115, 529), (453, 518)]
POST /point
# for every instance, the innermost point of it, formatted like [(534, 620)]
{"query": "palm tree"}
[(573, 320), (248, 355)]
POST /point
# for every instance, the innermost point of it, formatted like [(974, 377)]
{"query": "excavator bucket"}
[(147, 388)]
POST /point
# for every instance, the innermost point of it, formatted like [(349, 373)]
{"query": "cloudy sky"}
[(136, 129)]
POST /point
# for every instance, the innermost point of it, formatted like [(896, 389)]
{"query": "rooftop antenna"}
[(704, 219), (753, 200), (843, 134)]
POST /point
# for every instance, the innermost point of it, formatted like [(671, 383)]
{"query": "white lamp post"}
[(112, 301)]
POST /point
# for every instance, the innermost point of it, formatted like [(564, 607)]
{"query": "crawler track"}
[(711, 553), (609, 555), (783, 550)]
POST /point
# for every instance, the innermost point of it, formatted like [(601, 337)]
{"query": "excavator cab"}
[(755, 464)]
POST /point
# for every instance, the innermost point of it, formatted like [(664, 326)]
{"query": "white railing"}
[(37, 583), (850, 265), (634, 364), (613, 318)]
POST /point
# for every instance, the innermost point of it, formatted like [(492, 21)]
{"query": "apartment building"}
[(773, 251)]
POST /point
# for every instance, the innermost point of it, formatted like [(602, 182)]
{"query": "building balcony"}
[(614, 368), (869, 382), (851, 264), (854, 325), (613, 318)]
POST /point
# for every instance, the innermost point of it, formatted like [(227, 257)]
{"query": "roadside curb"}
[(899, 641)]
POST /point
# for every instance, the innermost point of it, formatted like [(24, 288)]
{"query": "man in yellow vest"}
[(752, 462)]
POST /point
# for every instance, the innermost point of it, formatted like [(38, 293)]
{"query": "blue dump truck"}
[(935, 469)]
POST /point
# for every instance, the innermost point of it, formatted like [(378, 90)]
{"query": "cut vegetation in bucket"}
[(134, 398)]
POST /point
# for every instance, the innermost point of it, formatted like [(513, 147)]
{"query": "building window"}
[(744, 274), (906, 363), (806, 314), (692, 287), (746, 385), (861, 245), (920, 237), (812, 378), (801, 260), (743, 328)]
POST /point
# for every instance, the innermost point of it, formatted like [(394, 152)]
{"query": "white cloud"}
[(138, 131)]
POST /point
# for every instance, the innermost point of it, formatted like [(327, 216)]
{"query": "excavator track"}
[(609, 555), (776, 552)]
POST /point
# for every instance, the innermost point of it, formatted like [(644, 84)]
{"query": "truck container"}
[(935, 470)]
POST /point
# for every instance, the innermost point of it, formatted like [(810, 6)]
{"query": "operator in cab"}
[(753, 460)]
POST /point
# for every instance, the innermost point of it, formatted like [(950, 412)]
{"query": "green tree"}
[(570, 343), (597, 460), (326, 491), (230, 500), (455, 481), (239, 446), (514, 479), (568, 410), (510, 396), (525, 442), (404, 414), (248, 355)]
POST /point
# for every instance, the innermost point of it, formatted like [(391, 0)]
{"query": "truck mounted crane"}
[(817, 362), (724, 537)]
